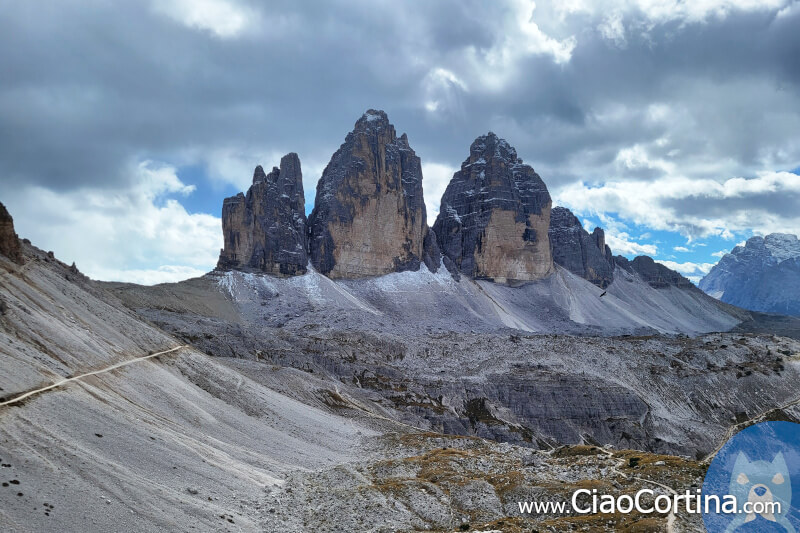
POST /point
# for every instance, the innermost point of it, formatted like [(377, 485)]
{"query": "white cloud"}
[(612, 29), (137, 234), (235, 166), (665, 11), (720, 253), (162, 274), (688, 268), (443, 91), (534, 40), (521, 36), (621, 243), (789, 10), (637, 158), (436, 176), (681, 249), (658, 204), (223, 18)]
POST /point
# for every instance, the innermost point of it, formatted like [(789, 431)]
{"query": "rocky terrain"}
[(361, 372), (9, 241), (265, 230), (494, 216), (458, 373), (369, 215), (584, 254), (335, 428), (763, 275)]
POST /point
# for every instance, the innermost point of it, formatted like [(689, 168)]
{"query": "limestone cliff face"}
[(266, 230), (9, 242), (582, 253), (369, 216), (494, 216)]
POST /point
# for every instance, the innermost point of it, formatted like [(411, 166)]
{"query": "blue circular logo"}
[(753, 483)]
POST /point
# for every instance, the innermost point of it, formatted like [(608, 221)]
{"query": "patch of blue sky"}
[(668, 245), (207, 196)]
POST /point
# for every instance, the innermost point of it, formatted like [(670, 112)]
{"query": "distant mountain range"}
[(763, 275)]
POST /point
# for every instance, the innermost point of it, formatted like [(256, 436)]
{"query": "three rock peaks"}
[(496, 219)]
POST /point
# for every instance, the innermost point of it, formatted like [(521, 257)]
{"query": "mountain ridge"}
[(763, 275)]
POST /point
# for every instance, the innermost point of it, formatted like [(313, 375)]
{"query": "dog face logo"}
[(766, 487)]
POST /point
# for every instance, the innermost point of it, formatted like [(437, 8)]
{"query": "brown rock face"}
[(494, 216), (9, 242), (369, 216), (265, 231)]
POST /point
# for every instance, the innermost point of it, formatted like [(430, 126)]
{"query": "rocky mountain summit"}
[(582, 253), (763, 275), (9, 241), (496, 220), (265, 231), (369, 215), (494, 216)]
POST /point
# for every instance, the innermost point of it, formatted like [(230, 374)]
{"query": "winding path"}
[(741, 425), (93, 373), (620, 462)]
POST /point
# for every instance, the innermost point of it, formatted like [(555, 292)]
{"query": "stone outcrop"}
[(763, 275), (494, 216), (655, 274), (582, 253), (9, 241), (369, 215), (266, 230)]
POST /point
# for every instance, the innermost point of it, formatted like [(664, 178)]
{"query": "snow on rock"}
[(763, 275)]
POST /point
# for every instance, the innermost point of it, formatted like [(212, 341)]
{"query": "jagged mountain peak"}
[(762, 275), (258, 174), (369, 216), (373, 118), (494, 216), (582, 253), (490, 146), (265, 230)]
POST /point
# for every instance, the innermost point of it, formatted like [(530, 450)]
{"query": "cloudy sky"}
[(673, 124)]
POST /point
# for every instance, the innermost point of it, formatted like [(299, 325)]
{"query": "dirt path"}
[(93, 373), (620, 462), (741, 425)]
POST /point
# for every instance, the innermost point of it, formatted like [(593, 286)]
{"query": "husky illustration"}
[(761, 482)]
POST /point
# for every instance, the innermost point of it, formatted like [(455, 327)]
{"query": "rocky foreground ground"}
[(308, 405)]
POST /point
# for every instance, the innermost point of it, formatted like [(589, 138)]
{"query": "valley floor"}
[(326, 426)]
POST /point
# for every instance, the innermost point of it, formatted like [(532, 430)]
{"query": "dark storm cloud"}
[(779, 203), (89, 87)]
